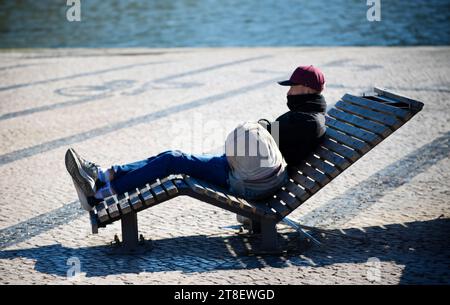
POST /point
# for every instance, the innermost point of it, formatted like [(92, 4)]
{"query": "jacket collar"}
[(307, 103)]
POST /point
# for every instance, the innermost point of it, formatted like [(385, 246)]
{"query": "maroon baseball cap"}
[(308, 76)]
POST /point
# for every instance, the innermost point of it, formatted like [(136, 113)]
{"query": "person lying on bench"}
[(252, 169)]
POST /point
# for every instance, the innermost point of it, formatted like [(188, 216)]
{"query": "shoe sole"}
[(80, 178), (82, 197)]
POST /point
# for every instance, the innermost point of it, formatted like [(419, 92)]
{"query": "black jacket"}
[(301, 129)]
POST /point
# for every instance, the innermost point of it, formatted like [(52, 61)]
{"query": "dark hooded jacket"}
[(302, 128)]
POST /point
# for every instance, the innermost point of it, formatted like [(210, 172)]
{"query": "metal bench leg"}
[(255, 227), (269, 235), (130, 236)]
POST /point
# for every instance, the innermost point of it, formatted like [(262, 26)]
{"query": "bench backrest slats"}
[(340, 149), (308, 184), (323, 166), (368, 114), (281, 209), (371, 126), (313, 173), (332, 158), (346, 139), (353, 131), (298, 191), (401, 114)]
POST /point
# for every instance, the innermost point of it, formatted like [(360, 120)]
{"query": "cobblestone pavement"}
[(386, 218)]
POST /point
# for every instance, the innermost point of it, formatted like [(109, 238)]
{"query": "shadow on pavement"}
[(422, 247)]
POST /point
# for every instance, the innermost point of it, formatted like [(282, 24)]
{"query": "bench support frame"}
[(130, 234)]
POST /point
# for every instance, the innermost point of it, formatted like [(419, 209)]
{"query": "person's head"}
[(300, 89), (305, 80)]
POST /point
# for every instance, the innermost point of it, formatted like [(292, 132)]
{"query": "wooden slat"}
[(402, 114), (391, 102), (159, 192), (170, 188), (242, 203), (307, 184), (333, 158), (342, 150), (181, 185), (102, 212), (124, 203), (195, 187), (314, 174), (295, 189), (113, 208), (147, 196), (414, 105), (382, 118), (321, 165), (281, 209), (291, 202), (212, 191), (356, 132), (135, 201), (371, 126), (226, 197), (354, 143)]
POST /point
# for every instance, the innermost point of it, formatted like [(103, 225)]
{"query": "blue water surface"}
[(202, 23)]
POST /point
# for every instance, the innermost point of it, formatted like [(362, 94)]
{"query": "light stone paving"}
[(120, 105)]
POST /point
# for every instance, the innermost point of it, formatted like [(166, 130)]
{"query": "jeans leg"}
[(121, 170), (211, 168)]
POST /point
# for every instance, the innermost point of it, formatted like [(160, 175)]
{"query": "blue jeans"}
[(210, 168)]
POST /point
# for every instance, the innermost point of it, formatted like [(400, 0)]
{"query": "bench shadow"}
[(422, 247)]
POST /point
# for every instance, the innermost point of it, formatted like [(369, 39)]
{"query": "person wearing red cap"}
[(303, 126), (255, 174)]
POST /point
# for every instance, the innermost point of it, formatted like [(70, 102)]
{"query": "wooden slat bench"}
[(355, 125)]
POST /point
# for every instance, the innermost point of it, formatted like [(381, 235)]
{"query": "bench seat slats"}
[(402, 114), (170, 188), (135, 202), (159, 192), (113, 208), (368, 114), (102, 212), (343, 138), (147, 196), (363, 135), (371, 126), (194, 185), (124, 204), (181, 185), (215, 193), (226, 197)]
